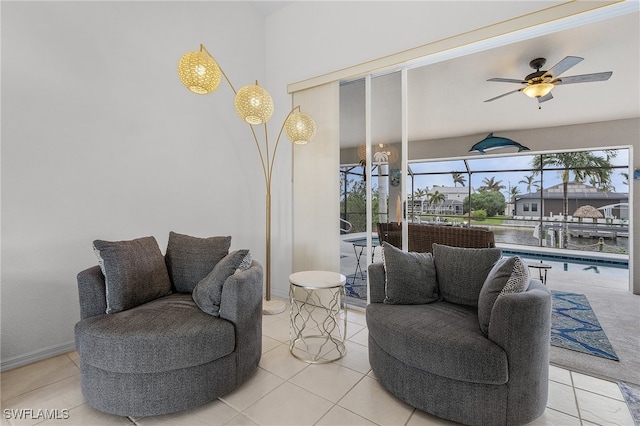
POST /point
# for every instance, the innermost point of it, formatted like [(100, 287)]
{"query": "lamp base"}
[(273, 307)]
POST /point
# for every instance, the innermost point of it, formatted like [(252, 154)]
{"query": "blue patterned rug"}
[(574, 326), (631, 395), (356, 285)]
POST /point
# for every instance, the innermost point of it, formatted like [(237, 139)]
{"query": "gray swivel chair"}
[(167, 355)]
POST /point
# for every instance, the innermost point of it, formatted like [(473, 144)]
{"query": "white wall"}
[(101, 140)]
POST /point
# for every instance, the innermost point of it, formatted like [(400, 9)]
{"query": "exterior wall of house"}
[(458, 193), (529, 207), (554, 207)]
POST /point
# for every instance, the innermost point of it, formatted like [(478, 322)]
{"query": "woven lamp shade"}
[(199, 72), (300, 128), (254, 104)]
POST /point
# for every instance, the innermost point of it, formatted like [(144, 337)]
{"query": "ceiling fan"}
[(539, 83)]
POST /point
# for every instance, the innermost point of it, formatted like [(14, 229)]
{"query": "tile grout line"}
[(336, 404), (4, 401), (575, 396)]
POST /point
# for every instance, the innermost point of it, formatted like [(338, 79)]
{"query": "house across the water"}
[(549, 201)]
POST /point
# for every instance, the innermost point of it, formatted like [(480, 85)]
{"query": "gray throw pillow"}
[(189, 259), (462, 272), (410, 277), (134, 271), (508, 275), (208, 292)]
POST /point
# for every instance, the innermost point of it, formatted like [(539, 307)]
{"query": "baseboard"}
[(284, 295), (37, 355)]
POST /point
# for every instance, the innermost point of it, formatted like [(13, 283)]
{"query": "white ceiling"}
[(446, 99)]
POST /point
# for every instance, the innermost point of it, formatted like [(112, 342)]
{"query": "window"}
[(519, 191)]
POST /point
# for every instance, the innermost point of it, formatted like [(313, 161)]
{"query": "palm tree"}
[(421, 193), (514, 191), (437, 198), (583, 164), (490, 184), (458, 178), (626, 178), (601, 186), (530, 182)]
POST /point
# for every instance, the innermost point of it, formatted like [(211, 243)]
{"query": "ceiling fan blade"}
[(503, 95), (584, 78), (545, 98), (563, 65), (507, 80)]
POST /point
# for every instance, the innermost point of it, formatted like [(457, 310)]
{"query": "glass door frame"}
[(404, 147)]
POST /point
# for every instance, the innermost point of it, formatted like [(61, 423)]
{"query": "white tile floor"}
[(286, 391)]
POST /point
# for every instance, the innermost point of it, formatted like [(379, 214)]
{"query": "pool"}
[(613, 266)]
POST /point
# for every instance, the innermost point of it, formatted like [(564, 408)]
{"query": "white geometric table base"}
[(318, 322)]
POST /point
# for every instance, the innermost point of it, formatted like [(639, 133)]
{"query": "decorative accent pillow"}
[(190, 259), (462, 272), (508, 275), (246, 263), (134, 271), (410, 277), (208, 292)]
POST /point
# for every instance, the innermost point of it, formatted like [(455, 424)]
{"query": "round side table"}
[(318, 316)]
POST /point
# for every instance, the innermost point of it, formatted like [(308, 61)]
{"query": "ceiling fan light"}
[(538, 90)]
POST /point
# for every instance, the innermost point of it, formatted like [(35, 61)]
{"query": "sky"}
[(508, 179)]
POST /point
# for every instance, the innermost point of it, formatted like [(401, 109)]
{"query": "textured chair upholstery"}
[(435, 357), (167, 355)]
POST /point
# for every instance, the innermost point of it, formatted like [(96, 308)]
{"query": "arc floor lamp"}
[(201, 74)]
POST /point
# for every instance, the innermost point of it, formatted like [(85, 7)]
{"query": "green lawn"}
[(496, 220)]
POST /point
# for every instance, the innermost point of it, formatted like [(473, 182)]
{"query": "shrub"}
[(480, 214), (492, 202)]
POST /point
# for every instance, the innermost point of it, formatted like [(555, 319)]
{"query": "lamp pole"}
[(201, 74)]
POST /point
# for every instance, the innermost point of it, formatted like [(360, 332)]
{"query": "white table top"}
[(317, 279), (538, 265)]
